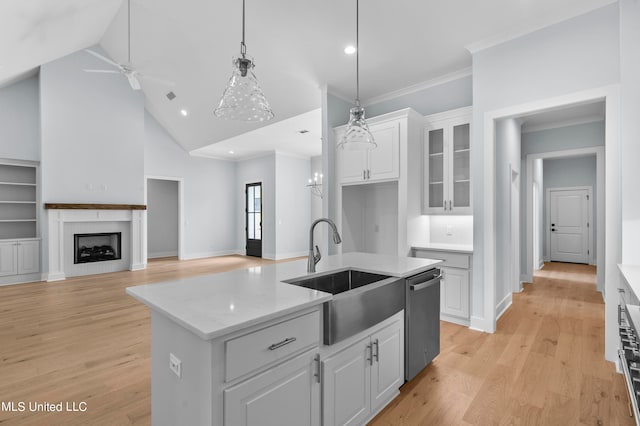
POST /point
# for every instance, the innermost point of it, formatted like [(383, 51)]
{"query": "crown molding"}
[(563, 123), (455, 75)]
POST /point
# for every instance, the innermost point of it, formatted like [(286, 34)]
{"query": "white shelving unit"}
[(19, 230)]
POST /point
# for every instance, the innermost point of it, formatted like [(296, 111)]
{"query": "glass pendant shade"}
[(243, 98), (358, 137)]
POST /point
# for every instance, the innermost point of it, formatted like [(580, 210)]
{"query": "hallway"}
[(544, 365)]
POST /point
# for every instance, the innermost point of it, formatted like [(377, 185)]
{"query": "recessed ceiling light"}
[(350, 50), (230, 152), (184, 112), (171, 96)]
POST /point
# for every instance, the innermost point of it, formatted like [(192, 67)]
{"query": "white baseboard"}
[(162, 254), (20, 279), (503, 305), (479, 324), (541, 265), (208, 254), (55, 276), (138, 267), (454, 320)]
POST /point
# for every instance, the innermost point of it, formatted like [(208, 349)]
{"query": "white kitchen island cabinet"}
[(245, 348), (361, 378)]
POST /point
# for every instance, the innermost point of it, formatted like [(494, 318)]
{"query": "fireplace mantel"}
[(72, 206)]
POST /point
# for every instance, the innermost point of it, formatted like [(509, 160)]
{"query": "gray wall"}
[(162, 218), (577, 54), (20, 120), (444, 97), (293, 206), (209, 219), (569, 172)]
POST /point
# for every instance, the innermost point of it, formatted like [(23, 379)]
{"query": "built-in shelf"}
[(462, 180), (435, 183), (437, 154), (17, 184), (462, 150), (18, 200)]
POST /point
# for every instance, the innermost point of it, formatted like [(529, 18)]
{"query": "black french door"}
[(253, 227)]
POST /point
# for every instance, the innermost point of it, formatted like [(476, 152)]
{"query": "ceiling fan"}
[(127, 69)]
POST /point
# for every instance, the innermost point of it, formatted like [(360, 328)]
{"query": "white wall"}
[(569, 172), (293, 206), (538, 216), (92, 134), (162, 218), (209, 217), (262, 169), (508, 144), (20, 120), (578, 54), (630, 128)]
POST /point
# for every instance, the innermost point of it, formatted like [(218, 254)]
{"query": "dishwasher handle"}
[(416, 287)]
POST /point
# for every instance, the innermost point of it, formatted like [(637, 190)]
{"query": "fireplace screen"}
[(97, 247)]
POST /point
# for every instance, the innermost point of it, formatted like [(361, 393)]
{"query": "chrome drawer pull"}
[(281, 344)]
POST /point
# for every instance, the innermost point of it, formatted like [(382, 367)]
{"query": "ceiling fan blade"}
[(102, 58), (133, 82), (104, 71), (157, 80)]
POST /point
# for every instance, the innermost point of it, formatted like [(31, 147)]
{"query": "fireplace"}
[(97, 247)]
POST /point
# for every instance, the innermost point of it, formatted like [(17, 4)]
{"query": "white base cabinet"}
[(18, 259), (455, 286), (288, 391), (363, 377)]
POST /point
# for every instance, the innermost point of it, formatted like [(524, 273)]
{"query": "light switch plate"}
[(449, 229)]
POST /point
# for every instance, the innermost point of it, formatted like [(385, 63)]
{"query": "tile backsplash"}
[(451, 229)]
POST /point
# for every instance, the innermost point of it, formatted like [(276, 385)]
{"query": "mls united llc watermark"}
[(43, 407)]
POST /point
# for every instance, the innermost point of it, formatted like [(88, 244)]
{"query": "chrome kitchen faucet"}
[(315, 258)]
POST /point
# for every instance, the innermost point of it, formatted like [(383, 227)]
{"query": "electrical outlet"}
[(449, 229), (175, 365)]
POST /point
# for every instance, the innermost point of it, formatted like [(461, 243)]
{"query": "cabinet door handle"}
[(377, 355), (450, 205), (370, 359), (368, 174), (316, 359), (281, 344), (364, 175), (444, 205)]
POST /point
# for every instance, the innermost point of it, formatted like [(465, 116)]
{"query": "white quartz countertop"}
[(455, 248), (217, 304), (631, 273)]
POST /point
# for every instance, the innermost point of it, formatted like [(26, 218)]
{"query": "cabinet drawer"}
[(451, 260), (247, 353)]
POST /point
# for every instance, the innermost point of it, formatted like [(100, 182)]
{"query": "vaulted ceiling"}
[(297, 46)]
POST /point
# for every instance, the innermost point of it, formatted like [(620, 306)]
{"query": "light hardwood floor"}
[(84, 339)]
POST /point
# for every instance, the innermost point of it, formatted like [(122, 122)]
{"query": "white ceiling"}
[(283, 136), (297, 46)]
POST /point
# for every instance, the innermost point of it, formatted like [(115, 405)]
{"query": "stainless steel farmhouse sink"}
[(360, 300)]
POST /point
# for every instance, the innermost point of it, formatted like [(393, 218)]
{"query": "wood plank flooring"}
[(84, 339), (544, 365)]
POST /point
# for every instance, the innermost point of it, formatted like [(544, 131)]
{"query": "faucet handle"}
[(317, 256)]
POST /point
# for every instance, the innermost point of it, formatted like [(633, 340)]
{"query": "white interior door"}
[(568, 225)]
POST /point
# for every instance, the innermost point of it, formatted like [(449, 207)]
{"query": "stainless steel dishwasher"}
[(422, 321)]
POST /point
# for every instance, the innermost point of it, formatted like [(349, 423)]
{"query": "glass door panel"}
[(253, 209), (461, 170), (436, 167)]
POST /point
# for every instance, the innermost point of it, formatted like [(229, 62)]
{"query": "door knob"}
[(553, 230), (553, 224)]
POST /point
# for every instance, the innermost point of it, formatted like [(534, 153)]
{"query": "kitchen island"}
[(244, 347)]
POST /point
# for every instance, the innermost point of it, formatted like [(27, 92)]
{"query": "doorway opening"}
[(253, 219), (164, 200)]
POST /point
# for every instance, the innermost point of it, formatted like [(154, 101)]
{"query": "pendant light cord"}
[(243, 47), (357, 54), (129, 32)]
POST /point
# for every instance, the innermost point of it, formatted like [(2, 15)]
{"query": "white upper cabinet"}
[(381, 163), (446, 163)]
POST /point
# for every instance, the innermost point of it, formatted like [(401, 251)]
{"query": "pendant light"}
[(243, 98), (358, 136)]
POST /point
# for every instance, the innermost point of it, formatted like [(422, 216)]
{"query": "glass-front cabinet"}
[(446, 171)]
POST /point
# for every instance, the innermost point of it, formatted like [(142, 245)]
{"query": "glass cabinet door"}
[(436, 181), (461, 185)]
